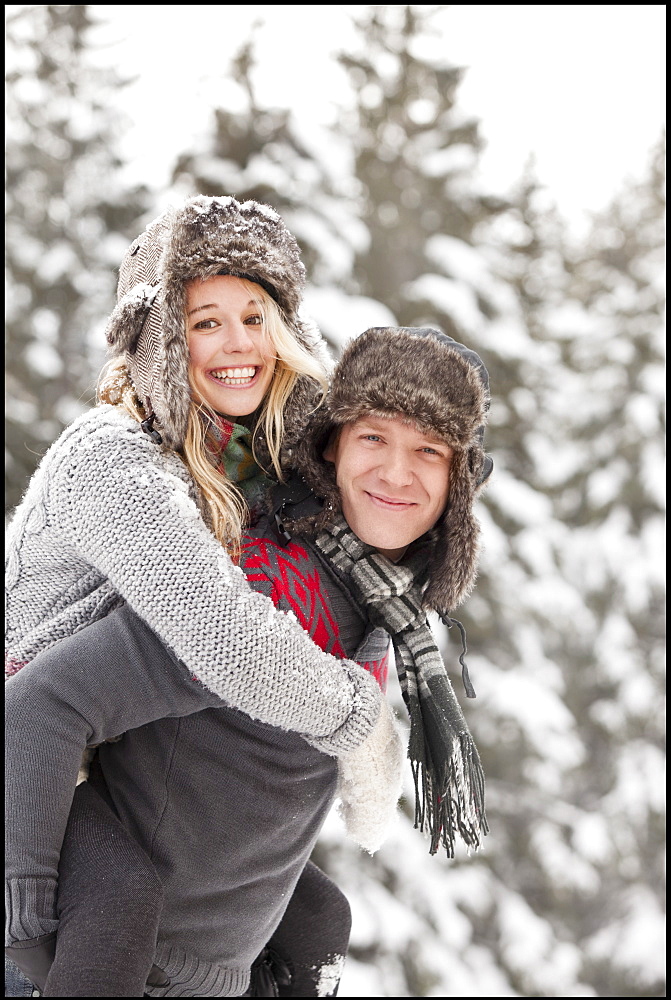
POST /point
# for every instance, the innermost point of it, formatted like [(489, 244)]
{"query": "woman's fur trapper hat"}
[(204, 237), (442, 387)]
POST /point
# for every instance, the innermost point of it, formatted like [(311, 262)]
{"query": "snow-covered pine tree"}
[(611, 498), (572, 726), (66, 209), (543, 909), (255, 151), (414, 154)]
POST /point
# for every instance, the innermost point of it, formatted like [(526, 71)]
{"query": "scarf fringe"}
[(457, 807)]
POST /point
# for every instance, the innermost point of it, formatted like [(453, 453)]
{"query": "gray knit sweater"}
[(109, 515)]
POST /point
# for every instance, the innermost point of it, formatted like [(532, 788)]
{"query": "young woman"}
[(121, 542)]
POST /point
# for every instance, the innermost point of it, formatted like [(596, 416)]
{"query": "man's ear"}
[(329, 452)]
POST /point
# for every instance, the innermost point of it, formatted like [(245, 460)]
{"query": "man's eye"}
[(372, 437)]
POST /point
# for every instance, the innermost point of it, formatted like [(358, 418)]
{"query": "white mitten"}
[(370, 782)]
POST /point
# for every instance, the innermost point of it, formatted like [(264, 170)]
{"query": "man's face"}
[(394, 480)]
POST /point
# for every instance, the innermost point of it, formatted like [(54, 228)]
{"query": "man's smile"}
[(389, 503)]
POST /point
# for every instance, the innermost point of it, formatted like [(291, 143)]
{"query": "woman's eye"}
[(205, 324), (255, 320)]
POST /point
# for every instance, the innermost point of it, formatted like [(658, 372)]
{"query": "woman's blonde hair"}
[(224, 503)]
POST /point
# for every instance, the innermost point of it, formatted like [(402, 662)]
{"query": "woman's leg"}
[(109, 903), (313, 936)]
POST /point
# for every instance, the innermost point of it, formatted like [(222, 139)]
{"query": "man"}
[(396, 454), (375, 530)]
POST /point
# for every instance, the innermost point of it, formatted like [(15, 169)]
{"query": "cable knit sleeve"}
[(126, 509)]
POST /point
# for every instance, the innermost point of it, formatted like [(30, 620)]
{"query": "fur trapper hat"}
[(441, 386), (202, 238)]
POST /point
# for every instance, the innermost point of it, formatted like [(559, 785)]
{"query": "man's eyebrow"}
[(379, 424), (213, 305), (435, 440)]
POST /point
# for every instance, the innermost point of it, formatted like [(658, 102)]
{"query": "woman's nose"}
[(236, 339)]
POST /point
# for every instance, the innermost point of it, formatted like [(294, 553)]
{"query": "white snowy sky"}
[(580, 86)]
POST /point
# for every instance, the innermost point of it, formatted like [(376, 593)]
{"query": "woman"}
[(123, 527)]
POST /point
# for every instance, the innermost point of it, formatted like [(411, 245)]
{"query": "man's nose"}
[(395, 469)]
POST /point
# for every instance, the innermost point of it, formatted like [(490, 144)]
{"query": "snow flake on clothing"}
[(330, 975), (182, 503)]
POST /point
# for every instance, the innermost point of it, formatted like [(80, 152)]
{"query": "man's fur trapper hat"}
[(440, 386), (204, 237)]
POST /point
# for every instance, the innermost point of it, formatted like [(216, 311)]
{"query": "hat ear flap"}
[(128, 317), (453, 566), (319, 474)]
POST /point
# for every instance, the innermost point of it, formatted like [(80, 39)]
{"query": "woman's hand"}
[(370, 782)]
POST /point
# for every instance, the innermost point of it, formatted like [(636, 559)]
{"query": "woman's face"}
[(231, 356)]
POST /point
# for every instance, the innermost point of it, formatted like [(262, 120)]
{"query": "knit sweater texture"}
[(110, 516)]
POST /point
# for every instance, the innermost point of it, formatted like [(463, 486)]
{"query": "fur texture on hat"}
[(440, 386), (204, 237)]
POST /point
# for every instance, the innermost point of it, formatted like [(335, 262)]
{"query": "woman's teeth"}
[(234, 376)]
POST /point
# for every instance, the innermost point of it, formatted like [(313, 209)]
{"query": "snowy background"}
[(497, 171)]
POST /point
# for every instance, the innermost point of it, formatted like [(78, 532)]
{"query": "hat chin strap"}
[(465, 676), (148, 424)]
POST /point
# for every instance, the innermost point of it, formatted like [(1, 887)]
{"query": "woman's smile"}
[(234, 377)]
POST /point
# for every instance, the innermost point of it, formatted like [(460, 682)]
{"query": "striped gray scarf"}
[(449, 782)]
